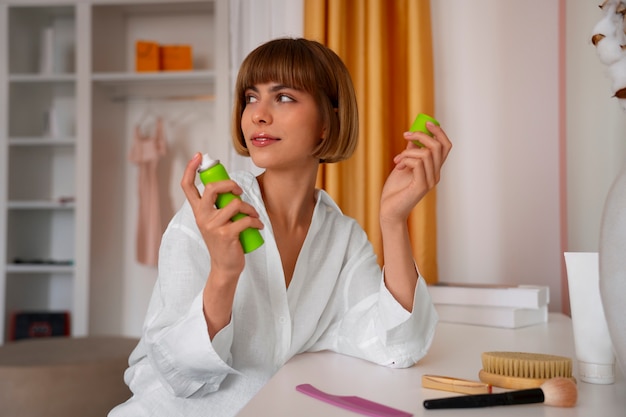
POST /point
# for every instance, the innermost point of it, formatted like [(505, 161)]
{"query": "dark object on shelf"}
[(30, 324), (60, 262)]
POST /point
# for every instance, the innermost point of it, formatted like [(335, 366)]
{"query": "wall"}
[(497, 95), (497, 84), (497, 66), (596, 130)]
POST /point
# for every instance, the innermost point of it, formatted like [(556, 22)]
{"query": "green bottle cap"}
[(419, 125)]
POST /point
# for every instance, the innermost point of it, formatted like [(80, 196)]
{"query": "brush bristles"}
[(527, 365), (560, 392)]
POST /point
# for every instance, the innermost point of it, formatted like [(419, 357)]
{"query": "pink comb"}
[(353, 403)]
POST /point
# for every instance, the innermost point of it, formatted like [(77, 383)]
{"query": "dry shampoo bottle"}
[(211, 170)]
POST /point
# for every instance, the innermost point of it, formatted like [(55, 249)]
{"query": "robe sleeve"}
[(369, 323), (177, 341)]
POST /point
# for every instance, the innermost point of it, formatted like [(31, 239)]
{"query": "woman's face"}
[(281, 125)]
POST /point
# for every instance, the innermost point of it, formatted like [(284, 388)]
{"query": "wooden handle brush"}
[(557, 392), (523, 370)]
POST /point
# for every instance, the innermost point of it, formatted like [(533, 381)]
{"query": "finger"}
[(433, 128), (228, 221), (438, 135), (222, 187), (224, 220), (427, 140), (227, 189), (439, 145), (424, 171), (235, 207), (415, 138), (231, 231), (187, 183), (411, 152), (248, 222), (442, 137)]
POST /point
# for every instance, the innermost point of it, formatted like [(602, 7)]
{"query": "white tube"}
[(594, 351)]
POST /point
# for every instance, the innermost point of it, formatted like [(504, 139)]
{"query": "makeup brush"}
[(557, 392)]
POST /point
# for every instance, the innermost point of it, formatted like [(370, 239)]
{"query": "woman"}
[(221, 323)]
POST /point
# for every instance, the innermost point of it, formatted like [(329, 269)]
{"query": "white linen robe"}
[(336, 301)]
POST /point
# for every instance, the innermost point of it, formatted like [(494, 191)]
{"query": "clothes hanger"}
[(146, 123)]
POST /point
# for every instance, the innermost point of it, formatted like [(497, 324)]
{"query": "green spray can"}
[(211, 170)]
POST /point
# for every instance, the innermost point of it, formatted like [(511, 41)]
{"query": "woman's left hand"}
[(417, 171)]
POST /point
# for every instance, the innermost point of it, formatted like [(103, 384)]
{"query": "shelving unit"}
[(39, 147), (69, 96)]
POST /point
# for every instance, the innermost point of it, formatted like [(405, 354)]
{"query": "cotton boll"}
[(609, 50), (608, 36), (617, 72), (608, 25)]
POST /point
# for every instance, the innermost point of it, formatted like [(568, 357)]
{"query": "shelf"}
[(41, 141), (117, 27), (183, 77), (159, 85), (54, 228), (45, 173), (41, 106), (39, 269), (161, 7), (41, 40), (40, 205), (41, 78)]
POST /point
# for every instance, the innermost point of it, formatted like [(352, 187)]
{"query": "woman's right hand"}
[(220, 234)]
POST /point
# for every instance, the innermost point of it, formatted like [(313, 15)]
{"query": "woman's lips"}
[(263, 140)]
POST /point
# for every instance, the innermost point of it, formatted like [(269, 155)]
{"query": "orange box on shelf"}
[(147, 56), (176, 58)]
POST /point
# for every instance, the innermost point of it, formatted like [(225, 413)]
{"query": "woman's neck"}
[(289, 200), (290, 203)]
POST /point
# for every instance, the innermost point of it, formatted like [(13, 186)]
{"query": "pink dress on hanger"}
[(145, 152)]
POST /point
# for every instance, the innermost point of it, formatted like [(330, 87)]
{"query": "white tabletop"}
[(455, 352)]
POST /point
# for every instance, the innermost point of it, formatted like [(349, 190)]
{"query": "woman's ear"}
[(324, 133)]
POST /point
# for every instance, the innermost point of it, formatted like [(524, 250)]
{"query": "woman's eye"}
[(284, 98), (250, 99)]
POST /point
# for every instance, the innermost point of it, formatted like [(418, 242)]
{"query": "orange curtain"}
[(387, 46)]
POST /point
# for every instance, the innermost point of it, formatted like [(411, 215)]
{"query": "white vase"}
[(612, 260)]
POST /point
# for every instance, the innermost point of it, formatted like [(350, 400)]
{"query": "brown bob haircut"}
[(307, 66)]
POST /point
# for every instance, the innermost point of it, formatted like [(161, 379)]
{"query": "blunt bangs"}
[(291, 63)]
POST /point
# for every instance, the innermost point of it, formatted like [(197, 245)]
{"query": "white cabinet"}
[(38, 165), (69, 95)]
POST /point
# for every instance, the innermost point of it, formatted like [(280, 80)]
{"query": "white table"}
[(455, 352)]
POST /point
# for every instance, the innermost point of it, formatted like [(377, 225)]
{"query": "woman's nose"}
[(261, 114)]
